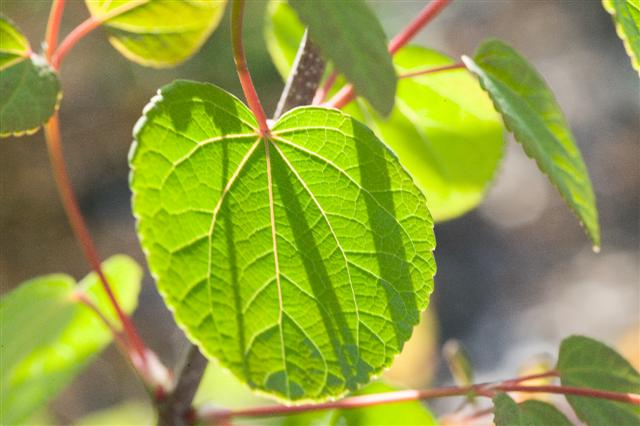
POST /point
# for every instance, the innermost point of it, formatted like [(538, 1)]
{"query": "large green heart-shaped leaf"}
[(529, 413), (350, 35), (48, 337), (584, 362), (302, 260), (157, 33), (626, 16), (531, 112), (29, 88)]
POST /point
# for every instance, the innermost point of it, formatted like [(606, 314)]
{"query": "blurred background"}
[(515, 276)]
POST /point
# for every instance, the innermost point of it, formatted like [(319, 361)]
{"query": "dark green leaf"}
[(29, 88), (584, 362), (301, 261), (626, 16), (531, 112), (528, 413), (350, 35), (157, 33), (48, 337)]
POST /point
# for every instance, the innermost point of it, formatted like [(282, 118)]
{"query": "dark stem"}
[(304, 78), (175, 409)]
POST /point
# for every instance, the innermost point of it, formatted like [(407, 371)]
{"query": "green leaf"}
[(626, 16), (301, 261), (444, 130), (48, 337), (408, 413), (528, 413), (157, 33), (584, 362), (350, 35), (283, 32), (531, 112), (458, 362), (129, 413), (29, 88), (443, 126)]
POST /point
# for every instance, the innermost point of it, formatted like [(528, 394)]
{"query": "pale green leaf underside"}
[(47, 337), (29, 88), (529, 413), (301, 262), (626, 16), (531, 112), (158, 33), (584, 362), (350, 35), (443, 126)]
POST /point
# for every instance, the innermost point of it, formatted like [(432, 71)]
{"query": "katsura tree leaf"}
[(157, 33), (531, 112), (29, 88), (350, 35), (443, 126), (529, 413), (128, 413), (584, 362), (444, 130), (301, 261), (408, 413), (283, 32), (626, 16), (48, 336)]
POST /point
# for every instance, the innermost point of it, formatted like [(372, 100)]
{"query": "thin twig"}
[(304, 78)]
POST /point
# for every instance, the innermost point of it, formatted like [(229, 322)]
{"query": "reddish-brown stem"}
[(53, 26), (347, 94), (248, 88), (426, 71), (545, 375), (425, 16), (217, 415), (80, 230), (72, 39), (323, 91)]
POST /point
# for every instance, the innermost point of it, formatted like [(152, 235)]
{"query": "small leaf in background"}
[(458, 362), (158, 33), (531, 112), (584, 362), (282, 32), (29, 88), (409, 413), (350, 35), (129, 413), (529, 413), (626, 17), (301, 262), (48, 337), (443, 126)]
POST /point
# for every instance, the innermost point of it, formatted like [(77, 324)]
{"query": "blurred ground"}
[(514, 277)]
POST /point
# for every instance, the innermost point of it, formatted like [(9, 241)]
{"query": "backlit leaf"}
[(349, 34), (29, 88), (531, 112), (584, 362), (48, 337), (626, 16), (301, 261), (529, 413), (158, 33), (443, 126)]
